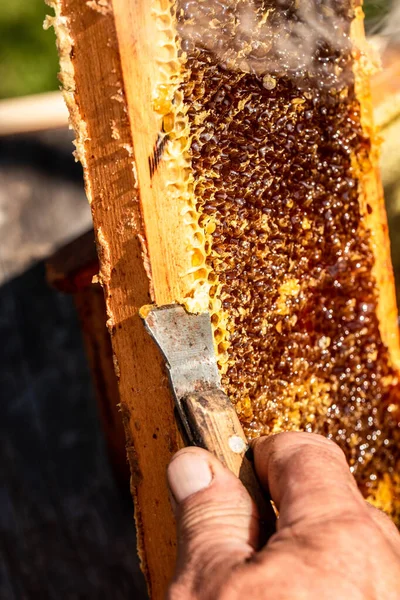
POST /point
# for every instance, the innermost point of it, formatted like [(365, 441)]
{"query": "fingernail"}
[(188, 474)]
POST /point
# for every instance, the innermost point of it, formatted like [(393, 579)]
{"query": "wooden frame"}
[(146, 248), (87, 34)]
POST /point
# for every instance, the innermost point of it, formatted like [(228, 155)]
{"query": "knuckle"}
[(371, 533), (203, 552), (209, 555), (383, 520), (305, 445), (311, 446), (355, 527), (212, 514), (314, 456), (320, 456), (351, 530)]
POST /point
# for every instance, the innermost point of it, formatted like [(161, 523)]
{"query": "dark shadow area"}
[(67, 530), (66, 527), (49, 153)]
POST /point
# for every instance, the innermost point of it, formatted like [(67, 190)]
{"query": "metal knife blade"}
[(207, 414), (186, 342)]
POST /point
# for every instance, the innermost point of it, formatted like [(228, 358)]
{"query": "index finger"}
[(308, 478)]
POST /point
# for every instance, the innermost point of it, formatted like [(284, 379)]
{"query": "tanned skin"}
[(329, 545)]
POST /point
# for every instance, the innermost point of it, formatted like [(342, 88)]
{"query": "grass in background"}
[(375, 11), (28, 57)]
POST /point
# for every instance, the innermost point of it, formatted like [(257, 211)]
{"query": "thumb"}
[(216, 518)]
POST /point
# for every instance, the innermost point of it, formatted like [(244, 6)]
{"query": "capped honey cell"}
[(274, 162)]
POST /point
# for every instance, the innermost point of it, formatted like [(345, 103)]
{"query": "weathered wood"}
[(162, 196), (87, 36), (216, 427)]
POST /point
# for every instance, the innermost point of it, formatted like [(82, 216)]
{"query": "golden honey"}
[(292, 295)]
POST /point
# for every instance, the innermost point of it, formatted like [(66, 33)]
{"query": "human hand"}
[(330, 544)]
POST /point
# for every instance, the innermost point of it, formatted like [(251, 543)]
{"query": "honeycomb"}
[(274, 151), (173, 147)]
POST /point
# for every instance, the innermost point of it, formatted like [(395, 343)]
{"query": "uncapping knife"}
[(207, 414)]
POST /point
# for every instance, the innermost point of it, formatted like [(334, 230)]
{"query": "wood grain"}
[(166, 241), (371, 194), (216, 428), (96, 100)]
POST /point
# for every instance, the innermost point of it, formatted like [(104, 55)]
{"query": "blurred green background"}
[(28, 58), (376, 9)]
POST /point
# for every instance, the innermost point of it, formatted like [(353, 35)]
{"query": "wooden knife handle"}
[(215, 426)]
